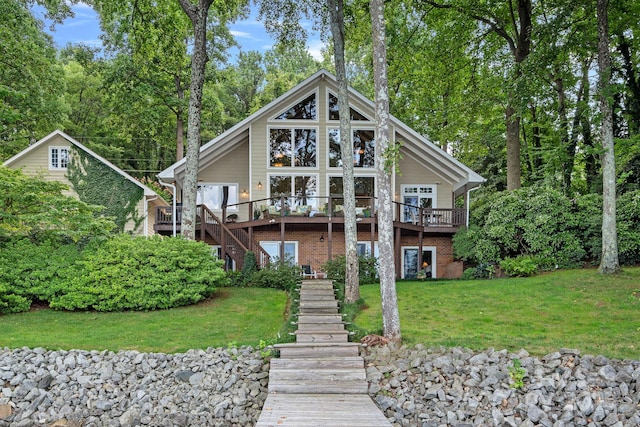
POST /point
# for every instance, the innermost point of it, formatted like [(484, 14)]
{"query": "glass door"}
[(410, 261)]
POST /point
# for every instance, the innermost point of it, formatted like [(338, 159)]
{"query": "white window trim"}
[(59, 148), (434, 257), (292, 128), (376, 248), (278, 242), (354, 127)]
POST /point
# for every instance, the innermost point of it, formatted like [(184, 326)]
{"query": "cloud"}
[(315, 48)]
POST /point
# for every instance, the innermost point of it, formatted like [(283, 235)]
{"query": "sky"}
[(84, 27)]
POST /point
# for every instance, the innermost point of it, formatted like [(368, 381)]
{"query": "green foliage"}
[(98, 184), (37, 209), (534, 221), (628, 221), (250, 267), (517, 374), (522, 266), (367, 266), (282, 275), (33, 270), (135, 273)]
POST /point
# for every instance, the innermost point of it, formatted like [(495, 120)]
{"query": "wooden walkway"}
[(320, 379)]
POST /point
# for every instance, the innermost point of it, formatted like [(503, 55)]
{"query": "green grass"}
[(575, 308), (242, 316)]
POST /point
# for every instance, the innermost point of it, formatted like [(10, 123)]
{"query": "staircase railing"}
[(235, 243)]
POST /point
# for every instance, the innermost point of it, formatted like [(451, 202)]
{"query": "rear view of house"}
[(273, 184), (92, 179)]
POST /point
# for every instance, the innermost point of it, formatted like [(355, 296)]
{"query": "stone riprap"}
[(414, 386), (213, 387)]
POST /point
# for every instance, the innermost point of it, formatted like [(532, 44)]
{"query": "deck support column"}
[(397, 253)]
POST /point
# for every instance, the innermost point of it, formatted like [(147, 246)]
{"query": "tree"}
[(384, 162), (31, 80), (352, 279), (609, 263)]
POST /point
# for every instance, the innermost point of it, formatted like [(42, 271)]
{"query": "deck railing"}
[(366, 207)]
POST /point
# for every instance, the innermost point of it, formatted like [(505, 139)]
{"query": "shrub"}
[(12, 303), (249, 267), (136, 273), (522, 266), (336, 269), (628, 221), (33, 271), (282, 275)]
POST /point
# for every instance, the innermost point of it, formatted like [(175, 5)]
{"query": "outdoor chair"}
[(308, 273)]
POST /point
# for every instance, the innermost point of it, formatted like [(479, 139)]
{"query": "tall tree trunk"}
[(198, 16), (609, 263), (514, 172), (179, 119), (386, 268), (352, 277)]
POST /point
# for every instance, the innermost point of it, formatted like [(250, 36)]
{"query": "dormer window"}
[(58, 158)]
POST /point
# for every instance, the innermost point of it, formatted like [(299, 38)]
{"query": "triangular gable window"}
[(334, 114), (303, 110)]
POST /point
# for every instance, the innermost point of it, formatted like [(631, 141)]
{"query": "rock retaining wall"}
[(414, 386)]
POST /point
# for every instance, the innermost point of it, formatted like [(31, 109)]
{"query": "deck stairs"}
[(236, 242), (319, 380)]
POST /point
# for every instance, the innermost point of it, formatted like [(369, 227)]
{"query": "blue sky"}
[(84, 27)]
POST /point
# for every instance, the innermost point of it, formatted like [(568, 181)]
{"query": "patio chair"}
[(308, 273)]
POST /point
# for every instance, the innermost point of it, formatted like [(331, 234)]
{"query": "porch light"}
[(322, 237), (259, 185), (244, 193)]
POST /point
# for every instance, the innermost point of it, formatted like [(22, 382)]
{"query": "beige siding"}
[(414, 173)]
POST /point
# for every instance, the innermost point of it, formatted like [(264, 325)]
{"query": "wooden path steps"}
[(320, 379)]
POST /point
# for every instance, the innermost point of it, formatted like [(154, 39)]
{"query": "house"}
[(273, 184), (92, 179)]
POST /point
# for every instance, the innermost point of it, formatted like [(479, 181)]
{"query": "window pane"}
[(305, 147), (54, 158), (363, 148), (334, 113), (210, 196), (279, 186), (64, 158), (280, 147), (305, 110), (335, 157), (306, 190)]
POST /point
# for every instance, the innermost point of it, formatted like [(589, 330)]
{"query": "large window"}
[(273, 249), (292, 147), (299, 190), (364, 249), (58, 157), (334, 113), (303, 110), (363, 148), (364, 187), (214, 196)]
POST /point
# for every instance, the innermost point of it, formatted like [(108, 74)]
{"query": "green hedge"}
[(121, 273)]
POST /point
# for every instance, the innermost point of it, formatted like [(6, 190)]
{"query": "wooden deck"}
[(320, 379)]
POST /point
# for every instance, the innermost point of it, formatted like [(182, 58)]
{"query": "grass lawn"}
[(232, 315), (574, 308)]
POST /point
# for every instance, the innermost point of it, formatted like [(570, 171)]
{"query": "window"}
[(334, 113), (415, 197), (292, 147), (364, 154), (364, 190), (304, 110), (58, 157), (300, 190), (364, 249), (214, 196), (273, 249), (410, 261)]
